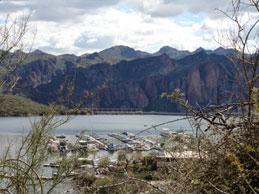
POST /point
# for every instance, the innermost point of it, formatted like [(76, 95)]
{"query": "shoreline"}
[(105, 113)]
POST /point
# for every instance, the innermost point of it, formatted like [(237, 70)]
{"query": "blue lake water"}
[(12, 128), (98, 124)]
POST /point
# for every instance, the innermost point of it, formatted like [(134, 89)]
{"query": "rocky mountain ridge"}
[(121, 77)]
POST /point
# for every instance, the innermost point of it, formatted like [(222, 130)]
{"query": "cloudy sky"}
[(84, 26)]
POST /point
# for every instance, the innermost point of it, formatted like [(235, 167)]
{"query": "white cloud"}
[(85, 41), (54, 10), (114, 27), (83, 26), (166, 8)]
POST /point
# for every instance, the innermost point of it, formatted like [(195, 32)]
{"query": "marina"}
[(109, 137), (100, 145), (127, 143)]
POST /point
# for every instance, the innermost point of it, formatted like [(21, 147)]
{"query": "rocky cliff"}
[(123, 77)]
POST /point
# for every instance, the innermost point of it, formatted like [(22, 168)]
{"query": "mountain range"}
[(122, 77)]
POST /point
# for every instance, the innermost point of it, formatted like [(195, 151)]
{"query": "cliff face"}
[(205, 78)]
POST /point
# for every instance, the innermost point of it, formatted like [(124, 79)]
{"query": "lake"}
[(98, 124), (11, 128)]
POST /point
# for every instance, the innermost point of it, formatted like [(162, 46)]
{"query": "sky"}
[(86, 26)]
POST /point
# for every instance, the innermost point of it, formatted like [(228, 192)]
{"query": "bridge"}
[(126, 111)]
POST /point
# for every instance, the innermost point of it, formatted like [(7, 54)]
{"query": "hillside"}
[(18, 106)]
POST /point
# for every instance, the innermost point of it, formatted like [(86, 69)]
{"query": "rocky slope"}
[(122, 77)]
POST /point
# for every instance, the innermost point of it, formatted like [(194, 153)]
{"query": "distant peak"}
[(173, 53), (37, 51), (219, 49), (120, 47), (166, 48), (200, 49), (224, 51)]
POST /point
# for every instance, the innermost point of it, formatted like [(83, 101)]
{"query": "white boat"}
[(83, 142), (166, 132)]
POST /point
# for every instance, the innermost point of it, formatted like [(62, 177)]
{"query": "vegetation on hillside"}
[(11, 105)]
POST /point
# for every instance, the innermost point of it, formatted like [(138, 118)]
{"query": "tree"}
[(244, 39), (12, 35), (20, 171), (229, 147)]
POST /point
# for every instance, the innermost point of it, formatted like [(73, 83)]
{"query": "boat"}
[(113, 147), (51, 165), (83, 142), (62, 136), (166, 132), (128, 134)]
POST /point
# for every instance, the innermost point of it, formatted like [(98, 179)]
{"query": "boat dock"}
[(95, 140), (133, 142)]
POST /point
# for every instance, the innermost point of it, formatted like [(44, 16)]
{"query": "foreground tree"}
[(229, 147), (21, 168), (12, 41)]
